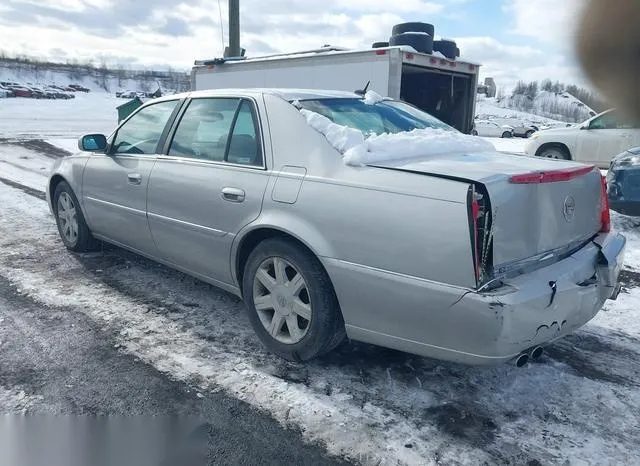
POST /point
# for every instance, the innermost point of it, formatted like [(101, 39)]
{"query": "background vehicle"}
[(623, 181), (521, 129), (596, 141), (4, 92), (21, 91), (214, 183), (443, 87), (491, 129), (79, 88), (126, 94)]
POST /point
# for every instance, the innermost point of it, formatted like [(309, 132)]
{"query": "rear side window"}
[(219, 130), (388, 116), (243, 147), (140, 134)]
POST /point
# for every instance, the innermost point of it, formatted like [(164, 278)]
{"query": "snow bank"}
[(358, 151)]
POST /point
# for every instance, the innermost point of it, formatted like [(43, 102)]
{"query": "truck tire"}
[(377, 45), (447, 48), (420, 41), (413, 27)]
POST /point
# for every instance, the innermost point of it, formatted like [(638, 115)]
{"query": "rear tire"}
[(507, 134), (72, 226), (555, 153), (290, 301)]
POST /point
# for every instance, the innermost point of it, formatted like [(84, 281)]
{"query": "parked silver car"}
[(473, 257)]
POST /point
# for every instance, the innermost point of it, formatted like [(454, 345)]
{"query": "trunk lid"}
[(534, 218)]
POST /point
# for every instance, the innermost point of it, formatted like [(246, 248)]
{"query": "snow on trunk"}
[(358, 150)]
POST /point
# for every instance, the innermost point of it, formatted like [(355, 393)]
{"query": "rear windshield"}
[(389, 116)]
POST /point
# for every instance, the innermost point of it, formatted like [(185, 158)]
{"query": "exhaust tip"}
[(537, 352), (522, 360)]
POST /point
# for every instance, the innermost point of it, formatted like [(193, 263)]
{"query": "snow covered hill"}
[(546, 108), (490, 109), (94, 78)]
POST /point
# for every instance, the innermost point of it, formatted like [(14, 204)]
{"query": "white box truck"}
[(442, 87)]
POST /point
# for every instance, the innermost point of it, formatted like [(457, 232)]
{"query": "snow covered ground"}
[(578, 405)]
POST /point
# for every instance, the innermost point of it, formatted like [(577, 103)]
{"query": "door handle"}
[(134, 178), (233, 194)]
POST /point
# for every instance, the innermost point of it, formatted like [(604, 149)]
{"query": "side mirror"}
[(92, 143)]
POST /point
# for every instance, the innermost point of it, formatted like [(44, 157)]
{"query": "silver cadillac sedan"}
[(457, 254)]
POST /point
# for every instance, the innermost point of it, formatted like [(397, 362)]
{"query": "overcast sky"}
[(512, 39)]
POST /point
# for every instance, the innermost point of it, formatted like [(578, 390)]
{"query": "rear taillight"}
[(605, 214), (475, 217), (552, 176), (479, 211)]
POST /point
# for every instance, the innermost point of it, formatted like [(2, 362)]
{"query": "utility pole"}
[(234, 28)]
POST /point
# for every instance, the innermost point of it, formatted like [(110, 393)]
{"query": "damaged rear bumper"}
[(444, 322), (539, 307)]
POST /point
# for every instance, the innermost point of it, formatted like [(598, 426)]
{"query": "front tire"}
[(474, 133), (529, 133), (506, 134), (290, 301), (72, 226)]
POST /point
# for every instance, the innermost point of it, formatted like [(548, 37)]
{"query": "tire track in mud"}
[(449, 405)]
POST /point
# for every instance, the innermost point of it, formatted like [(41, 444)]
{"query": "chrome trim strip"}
[(398, 274), (210, 162), (111, 204), (193, 226)]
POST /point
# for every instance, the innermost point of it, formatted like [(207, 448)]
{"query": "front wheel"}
[(72, 227), (474, 133), (554, 153), (529, 133), (290, 301), (506, 134)]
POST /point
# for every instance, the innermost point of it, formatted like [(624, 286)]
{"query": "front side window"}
[(205, 128), (140, 134), (606, 121), (388, 116)]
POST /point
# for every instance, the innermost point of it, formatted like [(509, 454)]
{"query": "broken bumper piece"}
[(527, 312)]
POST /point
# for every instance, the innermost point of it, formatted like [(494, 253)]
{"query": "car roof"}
[(286, 94)]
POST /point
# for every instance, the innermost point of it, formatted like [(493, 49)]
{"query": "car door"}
[(114, 184), (484, 128), (208, 186), (602, 139), (493, 129)]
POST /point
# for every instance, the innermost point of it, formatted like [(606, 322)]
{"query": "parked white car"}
[(491, 129), (596, 141)]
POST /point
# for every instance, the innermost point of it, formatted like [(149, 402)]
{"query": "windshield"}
[(388, 116)]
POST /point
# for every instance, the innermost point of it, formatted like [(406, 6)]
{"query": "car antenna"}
[(363, 91)]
